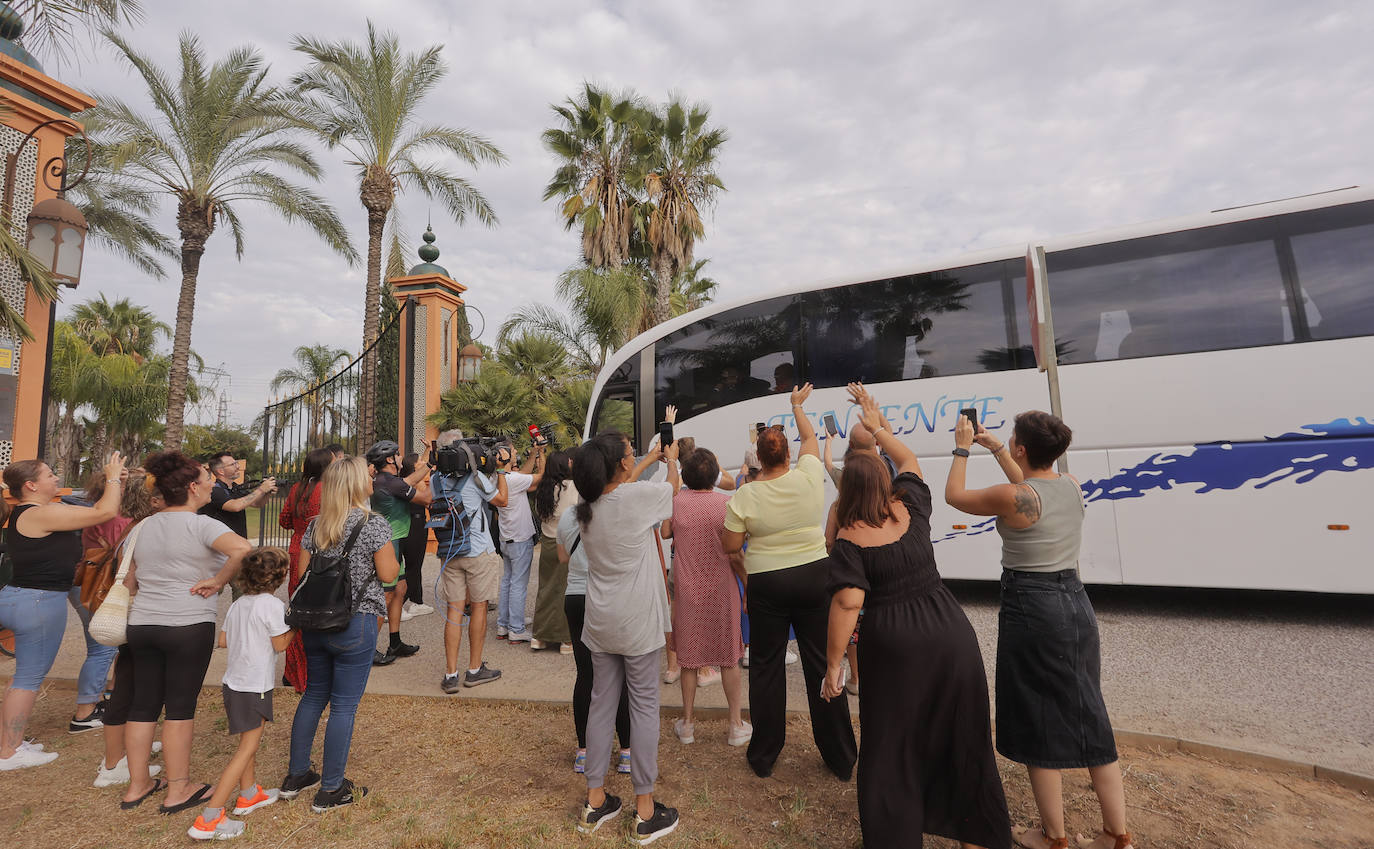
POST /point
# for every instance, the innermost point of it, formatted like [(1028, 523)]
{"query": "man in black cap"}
[(392, 497)]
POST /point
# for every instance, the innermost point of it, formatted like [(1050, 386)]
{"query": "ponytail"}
[(594, 468)]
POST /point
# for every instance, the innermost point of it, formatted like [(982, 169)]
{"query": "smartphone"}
[(665, 434), (971, 413), (753, 435), (760, 427), (830, 427)]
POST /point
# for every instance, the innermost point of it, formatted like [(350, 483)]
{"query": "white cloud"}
[(864, 136)]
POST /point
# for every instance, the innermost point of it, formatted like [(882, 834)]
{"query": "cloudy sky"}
[(863, 136)]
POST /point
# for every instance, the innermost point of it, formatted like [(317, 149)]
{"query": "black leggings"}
[(122, 697), (169, 669), (575, 607), (413, 551)]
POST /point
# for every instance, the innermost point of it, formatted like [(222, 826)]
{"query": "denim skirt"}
[(1050, 711)]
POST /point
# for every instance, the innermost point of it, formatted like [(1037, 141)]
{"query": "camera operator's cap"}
[(381, 451)]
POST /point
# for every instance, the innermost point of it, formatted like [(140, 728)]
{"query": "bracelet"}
[(113, 480), (999, 449)]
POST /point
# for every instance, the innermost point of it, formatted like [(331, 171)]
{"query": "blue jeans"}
[(337, 665), (37, 618), (90, 685), (516, 558)]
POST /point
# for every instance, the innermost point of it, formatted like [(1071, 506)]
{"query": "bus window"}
[(1336, 278), (903, 328), (728, 357), (616, 408), (1196, 290)]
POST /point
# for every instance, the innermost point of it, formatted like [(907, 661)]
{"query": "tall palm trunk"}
[(195, 223), (377, 194), (663, 288), (99, 443)]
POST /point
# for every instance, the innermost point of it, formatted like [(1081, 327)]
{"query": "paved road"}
[(1284, 674)]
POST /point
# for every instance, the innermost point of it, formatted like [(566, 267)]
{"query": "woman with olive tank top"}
[(1050, 711)]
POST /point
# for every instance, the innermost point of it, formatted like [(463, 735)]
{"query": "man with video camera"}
[(462, 487), (516, 524), (228, 501)]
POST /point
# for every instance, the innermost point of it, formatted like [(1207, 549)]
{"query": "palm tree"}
[(54, 23), (599, 146), (691, 290), (365, 98), (117, 209), (538, 358), (217, 137), (315, 364), (121, 327), (679, 181), (599, 312), (497, 402)]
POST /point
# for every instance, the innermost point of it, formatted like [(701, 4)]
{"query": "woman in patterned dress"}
[(706, 602), (302, 505)]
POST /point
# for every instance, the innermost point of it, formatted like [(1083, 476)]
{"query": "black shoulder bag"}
[(325, 600)]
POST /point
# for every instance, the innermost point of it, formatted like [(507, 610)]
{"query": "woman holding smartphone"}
[(1050, 711)]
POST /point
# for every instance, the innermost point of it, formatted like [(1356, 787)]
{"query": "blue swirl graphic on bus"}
[(1343, 445), (1338, 446)]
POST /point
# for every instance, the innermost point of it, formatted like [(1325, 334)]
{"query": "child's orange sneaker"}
[(219, 828), (260, 799)]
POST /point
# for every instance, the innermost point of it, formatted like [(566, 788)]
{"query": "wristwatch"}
[(960, 452)]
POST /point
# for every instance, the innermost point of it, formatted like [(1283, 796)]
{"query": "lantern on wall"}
[(57, 238), (469, 362)]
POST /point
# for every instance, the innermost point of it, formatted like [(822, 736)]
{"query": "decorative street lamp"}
[(56, 228), (469, 362)]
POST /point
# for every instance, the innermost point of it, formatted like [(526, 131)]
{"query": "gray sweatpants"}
[(640, 674)]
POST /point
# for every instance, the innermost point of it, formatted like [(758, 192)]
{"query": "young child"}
[(254, 631)]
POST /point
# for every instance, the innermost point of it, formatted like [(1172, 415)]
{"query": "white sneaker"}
[(420, 609), (406, 613), (685, 731), (25, 758), (117, 774), (538, 645), (502, 632), (790, 658), (741, 734), (518, 636), (31, 746)]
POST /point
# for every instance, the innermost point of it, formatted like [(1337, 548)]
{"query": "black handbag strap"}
[(575, 544)]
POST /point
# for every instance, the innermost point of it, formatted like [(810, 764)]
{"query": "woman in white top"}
[(627, 619)]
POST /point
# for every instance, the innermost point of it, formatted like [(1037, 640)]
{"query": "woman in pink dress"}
[(706, 602)]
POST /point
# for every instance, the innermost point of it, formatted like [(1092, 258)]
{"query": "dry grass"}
[(456, 773)]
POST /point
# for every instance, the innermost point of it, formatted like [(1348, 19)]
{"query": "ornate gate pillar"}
[(432, 314), (32, 102)]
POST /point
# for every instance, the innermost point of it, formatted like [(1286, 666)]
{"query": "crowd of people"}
[(719, 571)]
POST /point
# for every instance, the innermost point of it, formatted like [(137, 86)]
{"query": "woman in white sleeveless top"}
[(1050, 711)]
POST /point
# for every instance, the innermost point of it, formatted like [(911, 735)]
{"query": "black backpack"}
[(324, 600)]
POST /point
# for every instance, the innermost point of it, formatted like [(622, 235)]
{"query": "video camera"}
[(542, 434), (474, 454)]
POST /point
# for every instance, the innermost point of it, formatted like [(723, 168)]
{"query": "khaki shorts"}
[(471, 579)]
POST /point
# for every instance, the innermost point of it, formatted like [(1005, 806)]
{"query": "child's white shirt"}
[(249, 627)]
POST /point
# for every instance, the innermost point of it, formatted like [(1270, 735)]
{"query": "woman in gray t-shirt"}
[(181, 561), (626, 617)]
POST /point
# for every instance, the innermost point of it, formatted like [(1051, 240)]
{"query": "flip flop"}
[(158, 785), (196, 798)]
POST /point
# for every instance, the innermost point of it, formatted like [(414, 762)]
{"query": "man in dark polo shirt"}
[(224, 505), (392, 497)]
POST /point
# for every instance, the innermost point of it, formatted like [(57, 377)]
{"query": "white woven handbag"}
[(110, 622)]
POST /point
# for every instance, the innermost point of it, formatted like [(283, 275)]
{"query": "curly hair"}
[(263, 570), (135, 502)]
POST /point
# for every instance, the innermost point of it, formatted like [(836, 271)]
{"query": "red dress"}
[(706, 603), (296, 524)]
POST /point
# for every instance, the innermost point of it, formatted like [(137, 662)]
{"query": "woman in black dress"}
[(926, 763)]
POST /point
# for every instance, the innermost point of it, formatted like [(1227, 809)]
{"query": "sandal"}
[(1054, 842), (1123, 840), (158, 786), (195, 799)]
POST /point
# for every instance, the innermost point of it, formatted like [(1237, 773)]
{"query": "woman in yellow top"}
[(781, 513)]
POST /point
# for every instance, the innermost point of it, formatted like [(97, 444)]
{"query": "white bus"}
[(1216, 372)]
